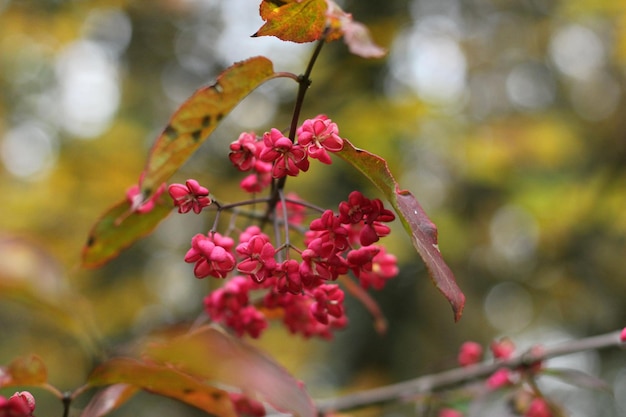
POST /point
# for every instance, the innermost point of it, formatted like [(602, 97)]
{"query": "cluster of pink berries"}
[(530, 404), (298, 283), (20, 404)]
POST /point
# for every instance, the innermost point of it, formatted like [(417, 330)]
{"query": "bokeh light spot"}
[(28, 151), (509, 307)]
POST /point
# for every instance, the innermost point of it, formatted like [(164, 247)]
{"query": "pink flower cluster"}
[(302, 289), (275, 156), (20, 404), (268, 278)]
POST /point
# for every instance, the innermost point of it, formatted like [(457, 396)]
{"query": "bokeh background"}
[(507, 119)]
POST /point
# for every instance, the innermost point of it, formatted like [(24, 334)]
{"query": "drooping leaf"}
[(25, 370), (295, 21), (211, 354), (109, 399), (162, 380), (197, 117), (119, 228), (422, 230)]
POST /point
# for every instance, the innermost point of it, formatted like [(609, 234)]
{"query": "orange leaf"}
[(213, 355), (163, 380), (422, 230), (295, 21), (197, 117), (25, 370)]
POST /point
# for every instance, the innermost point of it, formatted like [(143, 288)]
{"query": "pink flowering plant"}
[(275, 256)]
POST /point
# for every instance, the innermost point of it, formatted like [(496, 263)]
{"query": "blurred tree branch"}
[(435, 382)]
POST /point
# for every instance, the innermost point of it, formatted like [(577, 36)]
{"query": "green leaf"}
[(25, 370), (197, 117), (163, 380), (119, 228), (109, 399), (295, 21), (422, 230), (211, 354)]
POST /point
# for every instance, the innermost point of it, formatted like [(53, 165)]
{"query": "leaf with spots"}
[(197, 117), (295, 21), (119, 228), (162, 380), (422, 230)]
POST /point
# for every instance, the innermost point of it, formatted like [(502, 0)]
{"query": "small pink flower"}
[(622, 336), (243, 151), (470, 353), (328, 302), (288, 278), (259, 261), (191, 196), (287, 158), (320, 136), (212, 255)]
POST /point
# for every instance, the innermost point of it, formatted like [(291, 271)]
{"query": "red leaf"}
[(108, 400), (210, 354), (295, 21), (119, 228), (25, 370), (422, 230), (197, 117), (162, 380)]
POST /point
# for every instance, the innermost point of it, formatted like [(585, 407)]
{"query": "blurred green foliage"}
[(505, 118)]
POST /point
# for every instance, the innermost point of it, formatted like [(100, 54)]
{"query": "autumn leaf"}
[(25, 370), (295, 21), (197, 117), (109, 399), (422, 230), (119, 228), (162, 380), (211, 354)]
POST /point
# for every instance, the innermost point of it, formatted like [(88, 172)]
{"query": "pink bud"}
[(470, 353), (622, 335), (502, 349)]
